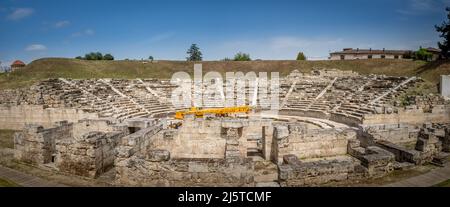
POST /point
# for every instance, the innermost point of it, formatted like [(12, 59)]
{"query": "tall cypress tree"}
[(444, 29), (194, 53), (301, 56)]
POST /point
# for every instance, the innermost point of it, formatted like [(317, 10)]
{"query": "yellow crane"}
[(217, 111)]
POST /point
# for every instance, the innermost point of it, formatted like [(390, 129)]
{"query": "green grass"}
[(7, 139), (7, 183), (443, 184), (81, 69)]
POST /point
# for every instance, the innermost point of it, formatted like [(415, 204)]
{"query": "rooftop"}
[(370, 51)]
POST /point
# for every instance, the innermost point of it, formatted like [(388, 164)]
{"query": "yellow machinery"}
[(217, 111)]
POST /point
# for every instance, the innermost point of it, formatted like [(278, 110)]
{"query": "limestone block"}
[(158, 155), (195, 167), (281, 131), (290, 159)]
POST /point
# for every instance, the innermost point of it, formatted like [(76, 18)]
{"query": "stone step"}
[(267, 184)]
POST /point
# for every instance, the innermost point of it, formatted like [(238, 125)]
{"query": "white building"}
[(357, 54)]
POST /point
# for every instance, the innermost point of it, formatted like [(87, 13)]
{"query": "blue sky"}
[(31, 29)]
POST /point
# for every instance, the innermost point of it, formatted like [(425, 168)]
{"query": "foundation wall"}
[(397, 134), (15, 117), (140, 171), (306, 144), (36, 145), (439, 114), (137, 142)]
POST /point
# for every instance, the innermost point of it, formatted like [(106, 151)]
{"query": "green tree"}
[(79, 58), (108, 57), (151, 58), (242, 57), (98, 56), (90, 56), (444, 29), (301, 56), (194, 53), (423, 54)]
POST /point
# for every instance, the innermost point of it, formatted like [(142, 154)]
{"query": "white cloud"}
[(62, 24), (419, 7), (35, 47), (20, 13), (87, 32)]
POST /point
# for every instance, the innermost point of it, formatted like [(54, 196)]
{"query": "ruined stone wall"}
[(100, 125), (137, 142), (375, 161), (439, 114), (370, 162), (295, 173), (216, 138), (199, 138), (428, 145), (90, 155), (401, 153), (36, 145), (395, 133), (145, 170), (15, 117), (295, 139), (10, 97)]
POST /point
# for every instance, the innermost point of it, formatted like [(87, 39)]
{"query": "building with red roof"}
[(17, 65)]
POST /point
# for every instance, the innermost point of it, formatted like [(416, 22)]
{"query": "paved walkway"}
[(431, 178), (25, 180)]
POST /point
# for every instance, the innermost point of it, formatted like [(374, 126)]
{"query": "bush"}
[(423, 54), (108, 57), (242, 57)]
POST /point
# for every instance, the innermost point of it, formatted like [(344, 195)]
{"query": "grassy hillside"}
[(81, 69)]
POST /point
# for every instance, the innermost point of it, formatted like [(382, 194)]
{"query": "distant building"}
[(356, 54), (436, 53), (17, 65)]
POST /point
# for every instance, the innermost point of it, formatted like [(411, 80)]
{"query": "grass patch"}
[(443, 184), (7, 183), (420, 89), (82, 69), (7, 138)]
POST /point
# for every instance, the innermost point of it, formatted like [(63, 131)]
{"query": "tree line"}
[(96, 56)]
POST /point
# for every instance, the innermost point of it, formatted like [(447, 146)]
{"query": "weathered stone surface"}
[(315, 173), (199, 172), (158, 155), (222, 151)]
